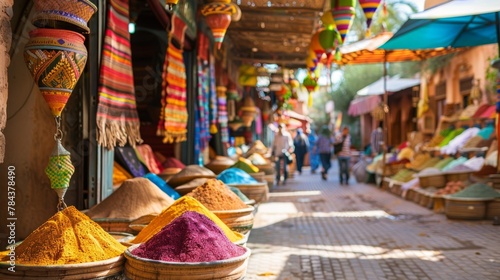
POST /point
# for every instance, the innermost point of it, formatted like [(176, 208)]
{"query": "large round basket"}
[(259, 176), (268, 169), (270, 180), (107, 269), (141, 268), (189, 173), (493, 209), (465, 209), (219, 164), (457, 176), (434, 180), (256, 191), (240, 220)]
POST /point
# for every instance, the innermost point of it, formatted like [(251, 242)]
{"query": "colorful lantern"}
[(369, 8), (59, 170), (343, 12), (327, 39), (315, 45), (56, 59), (218, 17), (328, 21), (311, 65)]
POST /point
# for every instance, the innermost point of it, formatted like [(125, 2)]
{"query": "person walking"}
[(324, 149), (301, 146), (313, 154), (376, 140), (282, 145), (344, 156)]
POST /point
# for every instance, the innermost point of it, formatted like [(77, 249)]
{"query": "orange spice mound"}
[(68, 237), (215, 195)]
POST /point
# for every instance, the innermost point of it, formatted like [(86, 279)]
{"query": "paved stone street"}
[(314, 229)]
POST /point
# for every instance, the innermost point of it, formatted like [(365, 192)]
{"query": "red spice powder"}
[(191, 237)]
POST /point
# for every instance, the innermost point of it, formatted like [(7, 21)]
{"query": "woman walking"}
[(324, 149), (344, 156)]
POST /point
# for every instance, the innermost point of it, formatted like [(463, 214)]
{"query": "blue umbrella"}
[(456, 23)]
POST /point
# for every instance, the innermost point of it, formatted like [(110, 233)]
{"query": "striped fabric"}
[(222, 117), (117, 118), (174, 115), (203, 110), (213, 97)]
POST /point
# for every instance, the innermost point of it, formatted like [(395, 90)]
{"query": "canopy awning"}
[(363, 105), (394, 84)]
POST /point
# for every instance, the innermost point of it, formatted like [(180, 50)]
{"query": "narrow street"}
[(314, 229)]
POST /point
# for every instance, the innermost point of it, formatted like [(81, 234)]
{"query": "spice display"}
[(235, 175), (181, 205), (189, 173), (451, 188), (418, 160), (214, 195), (450, 136), (257, 159), (164, 187), (68, 237), (473, 142), (246, 165), (475, 163), (477, 190), (430, 163), (429, 171), (442, 163), (434, 142), (192, 237), (454, 163), (403, 175), (135, 198)]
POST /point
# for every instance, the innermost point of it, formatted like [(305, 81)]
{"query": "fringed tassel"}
[(111, 134)]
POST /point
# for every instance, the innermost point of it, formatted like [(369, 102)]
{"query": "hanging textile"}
[(173, 120), (213, 97), (222, 114), (117, 118), (203, 108)]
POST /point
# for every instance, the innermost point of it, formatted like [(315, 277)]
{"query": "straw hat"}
[(60, 13)]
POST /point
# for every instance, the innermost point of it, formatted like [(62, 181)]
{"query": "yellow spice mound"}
[(68, 237), (181, 205)]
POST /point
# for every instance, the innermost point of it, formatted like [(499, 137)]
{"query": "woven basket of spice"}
[(106, 269), (190, 247), (258, 176), (67, 246), (431, 177), (189, 173), (240, 220), (470, 203), (219, 164), (257, 191)]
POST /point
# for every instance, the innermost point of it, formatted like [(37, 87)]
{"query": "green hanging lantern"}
[(59, 170)]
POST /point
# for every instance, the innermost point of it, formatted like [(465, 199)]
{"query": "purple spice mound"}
[(191, 237)]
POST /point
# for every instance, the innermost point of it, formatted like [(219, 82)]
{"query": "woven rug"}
[(222, 117), (117, 119), (172, 125), (213, 96)]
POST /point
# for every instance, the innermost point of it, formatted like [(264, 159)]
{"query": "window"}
[(465, 87)]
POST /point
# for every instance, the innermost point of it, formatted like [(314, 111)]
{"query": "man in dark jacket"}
[(301, 144)]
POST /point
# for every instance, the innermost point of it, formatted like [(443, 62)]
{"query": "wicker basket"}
[(108, 269), (259, 176), (256, 191), (465, 209), (268, 169), (457, 176), (435, 180), (270, 180), (410, 193), (438, 205), (141, 268), (240, 220), (493, 209)]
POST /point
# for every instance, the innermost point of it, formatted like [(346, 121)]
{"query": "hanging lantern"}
[(218, 17), (311, 65), (343, 12), (169, 4), (56, 59), (315, 45), (328, 21), (59, 170), (369, 7), (327, 39)]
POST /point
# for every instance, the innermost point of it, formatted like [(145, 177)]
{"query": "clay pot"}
[(64, 14)]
